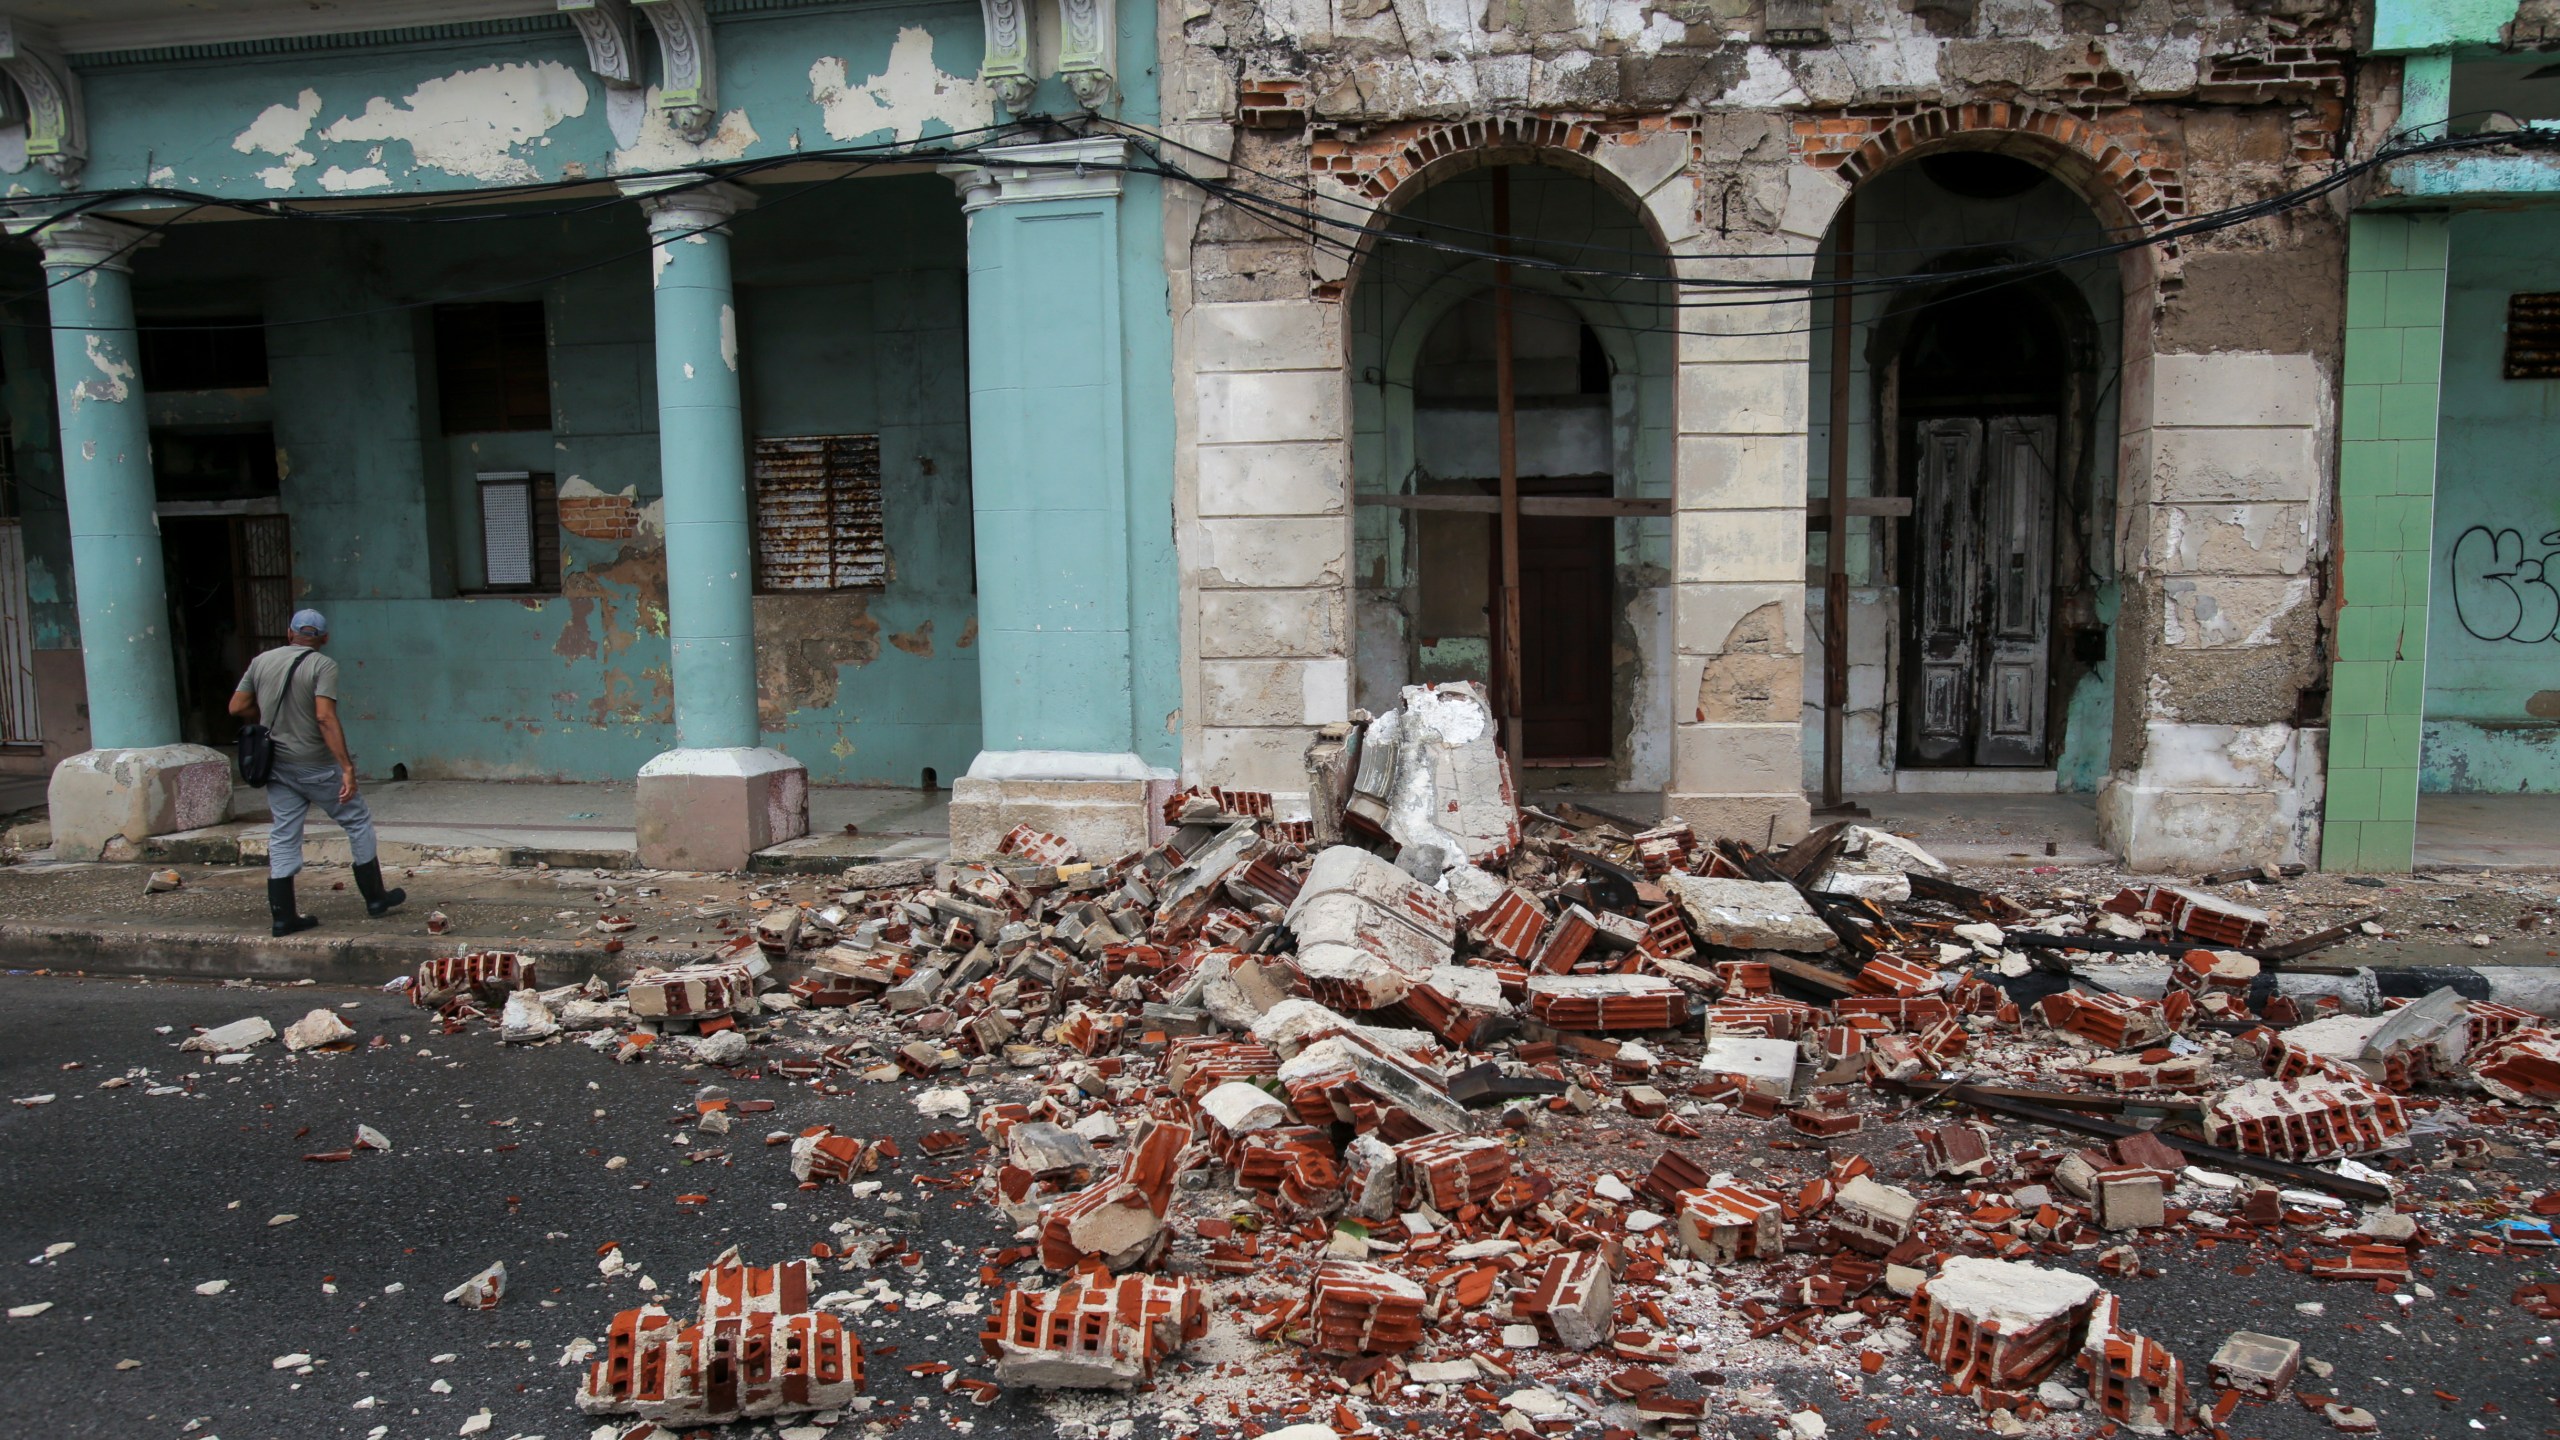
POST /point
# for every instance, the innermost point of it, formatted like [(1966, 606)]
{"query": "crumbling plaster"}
[(2171, 109)]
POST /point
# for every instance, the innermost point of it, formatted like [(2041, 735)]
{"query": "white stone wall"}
[(2227, 468), (1266, 553)]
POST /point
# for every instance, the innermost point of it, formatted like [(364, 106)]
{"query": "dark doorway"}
[(1568, 587), (1983, 383), (228, 554)]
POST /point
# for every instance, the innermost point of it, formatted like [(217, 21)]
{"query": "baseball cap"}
[(311, 620)]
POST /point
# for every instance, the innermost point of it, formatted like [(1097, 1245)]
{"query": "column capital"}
[(683, 205), (1083, 169), (91, 241)]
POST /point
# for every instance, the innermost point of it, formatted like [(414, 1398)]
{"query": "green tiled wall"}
[(2386, 503)]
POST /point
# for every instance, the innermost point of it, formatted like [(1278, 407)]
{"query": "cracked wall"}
[(2150, 111)]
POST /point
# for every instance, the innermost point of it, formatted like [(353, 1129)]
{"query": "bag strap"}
[(266, 712)]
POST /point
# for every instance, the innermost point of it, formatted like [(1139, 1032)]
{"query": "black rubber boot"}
[(378, 902), (280, 907)]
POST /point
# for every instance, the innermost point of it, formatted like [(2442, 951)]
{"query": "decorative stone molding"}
[(1085, 50), (678, 207), (1007, 68), (1084, 169), (57, 125), (688, 87), (613, 39), (91, 242)]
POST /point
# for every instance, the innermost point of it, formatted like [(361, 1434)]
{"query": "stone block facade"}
[(1736, 156)]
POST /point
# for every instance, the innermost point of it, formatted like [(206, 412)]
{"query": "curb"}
[(341, 959), (200, 848)]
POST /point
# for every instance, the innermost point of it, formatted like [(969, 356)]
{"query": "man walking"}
[(293, 689)]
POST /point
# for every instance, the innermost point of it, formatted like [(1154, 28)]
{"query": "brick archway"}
[(2131, 191)]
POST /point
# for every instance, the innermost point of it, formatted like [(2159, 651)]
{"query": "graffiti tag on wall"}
[(2500, 592)]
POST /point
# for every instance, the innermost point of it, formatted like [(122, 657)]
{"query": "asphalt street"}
[(497, 1154), (502, 1154)]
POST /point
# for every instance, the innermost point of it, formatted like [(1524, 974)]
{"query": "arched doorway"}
[(1589, 394), (1978, 435)]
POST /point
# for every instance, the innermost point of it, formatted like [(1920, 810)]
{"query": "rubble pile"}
[(1433, 1096)]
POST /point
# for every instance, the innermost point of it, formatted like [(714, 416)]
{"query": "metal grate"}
[(2533, 336), (18, 716), (818, 516)]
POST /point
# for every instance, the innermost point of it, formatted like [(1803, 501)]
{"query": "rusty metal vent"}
[(818, 521), (2533, 336)]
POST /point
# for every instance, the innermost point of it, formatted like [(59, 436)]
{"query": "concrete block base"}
[(2209, 797), (712, 809), (1107, 805), (100, 797), (1762, 820)]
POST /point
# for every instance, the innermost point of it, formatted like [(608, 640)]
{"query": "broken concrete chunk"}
[(1367, 932), (526, 1019), (317, 1030), (482, 1291), (2255, 1364), (1767, 1066), (1431, 776), (239, 1035), (1749, 915)]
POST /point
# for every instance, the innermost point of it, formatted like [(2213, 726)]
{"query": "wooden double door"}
[(1978, 671)]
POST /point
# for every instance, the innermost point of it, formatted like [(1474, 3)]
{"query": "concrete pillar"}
[(139, 781), (719, 796), (1059, 610)]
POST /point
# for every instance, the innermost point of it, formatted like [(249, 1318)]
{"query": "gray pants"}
[(291, 793)]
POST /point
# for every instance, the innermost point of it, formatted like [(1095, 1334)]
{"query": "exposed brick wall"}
[(600, 517)]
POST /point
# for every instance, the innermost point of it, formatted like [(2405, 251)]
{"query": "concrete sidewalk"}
[(490, 822)]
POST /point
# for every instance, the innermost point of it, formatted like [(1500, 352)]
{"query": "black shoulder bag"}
[(257, 742)]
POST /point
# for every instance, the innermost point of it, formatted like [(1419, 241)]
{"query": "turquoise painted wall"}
[(851, 302), (2493, 631), (512, 102)]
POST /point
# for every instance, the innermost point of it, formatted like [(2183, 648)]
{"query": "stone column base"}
[(98, 797), (2210, 797), (1106, 805), (1766, 821), (711, 809)]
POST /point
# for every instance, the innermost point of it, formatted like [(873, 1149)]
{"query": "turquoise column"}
[(106, 483), (1048, 463), (703, 467)]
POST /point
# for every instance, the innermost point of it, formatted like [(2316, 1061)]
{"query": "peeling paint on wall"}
[(802, 643), (472, 123), (657, 145), (280, 130), (903, 98)]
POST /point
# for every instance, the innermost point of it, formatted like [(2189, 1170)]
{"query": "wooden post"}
[(1835, 541), (1507, 443)]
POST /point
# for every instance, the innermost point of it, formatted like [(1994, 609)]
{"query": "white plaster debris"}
[(319, 1028), (239, 1035)]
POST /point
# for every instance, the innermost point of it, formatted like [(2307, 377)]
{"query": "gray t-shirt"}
[(293, 717)]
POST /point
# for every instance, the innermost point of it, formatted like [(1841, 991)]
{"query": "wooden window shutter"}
[(818, 520)]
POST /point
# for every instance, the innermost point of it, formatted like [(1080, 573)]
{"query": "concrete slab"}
[(2493, 832)]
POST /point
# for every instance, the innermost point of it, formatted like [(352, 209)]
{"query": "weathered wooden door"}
[(1984, 577)]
